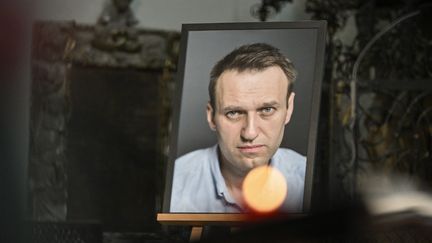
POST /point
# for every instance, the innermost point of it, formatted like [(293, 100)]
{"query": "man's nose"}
[(250, 128)]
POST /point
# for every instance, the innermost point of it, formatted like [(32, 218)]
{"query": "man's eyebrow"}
[(232, 108), (239, 108), (271, 103)]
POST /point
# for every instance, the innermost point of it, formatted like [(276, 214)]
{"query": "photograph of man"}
[(251, 101)]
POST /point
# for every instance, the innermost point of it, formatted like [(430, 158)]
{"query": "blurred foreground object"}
[(15, 19), (264, 189), (385, 195)]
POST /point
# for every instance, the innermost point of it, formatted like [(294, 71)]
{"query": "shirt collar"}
[(221, 188)]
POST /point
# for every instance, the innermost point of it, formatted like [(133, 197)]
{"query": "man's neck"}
[(232, 180)]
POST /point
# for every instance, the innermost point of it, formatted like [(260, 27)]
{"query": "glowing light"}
[(264, 189)]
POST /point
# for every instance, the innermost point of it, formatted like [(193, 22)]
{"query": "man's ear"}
[(290, 108), (210, 112)]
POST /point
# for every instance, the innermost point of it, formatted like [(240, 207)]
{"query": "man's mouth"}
[(250, 148)]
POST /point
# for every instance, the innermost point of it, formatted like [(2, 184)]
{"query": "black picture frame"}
[(307, 36)]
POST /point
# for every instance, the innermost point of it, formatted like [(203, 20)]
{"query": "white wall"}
[(166, 14)]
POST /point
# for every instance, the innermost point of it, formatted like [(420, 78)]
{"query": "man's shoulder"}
[(291, 154), (196, 154), (192, 180), (289, 158), (194, 159)]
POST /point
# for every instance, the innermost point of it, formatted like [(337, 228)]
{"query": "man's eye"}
[(267, 110), (233, 114)]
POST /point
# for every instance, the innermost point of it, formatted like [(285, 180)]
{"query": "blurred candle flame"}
[(264, 190)]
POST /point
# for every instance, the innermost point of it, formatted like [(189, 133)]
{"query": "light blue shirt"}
[(198, 185)]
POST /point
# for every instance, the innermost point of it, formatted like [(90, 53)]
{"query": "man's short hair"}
[(257, 56)]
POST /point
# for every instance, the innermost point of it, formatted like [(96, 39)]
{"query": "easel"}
[(198, 221)]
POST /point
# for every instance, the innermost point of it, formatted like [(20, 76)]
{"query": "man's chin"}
[(255, 162)]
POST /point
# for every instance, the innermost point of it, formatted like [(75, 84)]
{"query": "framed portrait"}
[(202, 46)]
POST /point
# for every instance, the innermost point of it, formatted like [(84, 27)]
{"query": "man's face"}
[(250, 115)]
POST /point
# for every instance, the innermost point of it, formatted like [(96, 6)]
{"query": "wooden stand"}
[(196, 233), (198, 221)]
